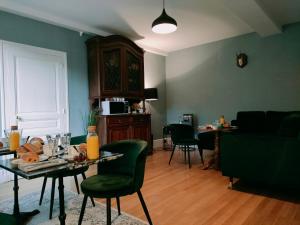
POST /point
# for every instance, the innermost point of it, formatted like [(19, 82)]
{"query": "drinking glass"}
[(53, 144), (65, 142)]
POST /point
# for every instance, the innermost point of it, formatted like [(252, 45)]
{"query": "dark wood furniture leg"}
[(76, 182), (174, 146), (189, 157), (52, 197), (217, 151), (92, 199), (230, 185), (22, 217), (118, 205), (62, 214), (82, 209), (43, 190), (144, 206), (108, 211)]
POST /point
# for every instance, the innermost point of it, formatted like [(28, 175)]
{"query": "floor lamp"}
[(150, 95)]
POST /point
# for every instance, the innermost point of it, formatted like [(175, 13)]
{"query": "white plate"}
[(43, 158)]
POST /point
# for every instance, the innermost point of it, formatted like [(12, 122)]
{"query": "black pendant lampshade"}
[(164, 24), (150, 94)]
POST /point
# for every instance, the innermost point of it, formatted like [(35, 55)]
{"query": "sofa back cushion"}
[(290, 126), (251, 121), (274, 120)]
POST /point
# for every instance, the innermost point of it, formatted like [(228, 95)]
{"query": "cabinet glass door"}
[(111, 77), (134, 71)]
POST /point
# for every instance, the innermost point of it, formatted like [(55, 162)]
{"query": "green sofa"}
[(265, 149)]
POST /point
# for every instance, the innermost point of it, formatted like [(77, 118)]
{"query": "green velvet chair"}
[(120, 177), (183, 136), (74, 141), (6, 219)]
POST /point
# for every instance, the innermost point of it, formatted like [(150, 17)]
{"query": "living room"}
[(195, 70)]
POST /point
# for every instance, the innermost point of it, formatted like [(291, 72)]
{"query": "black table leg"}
[(22, 217), (16, 196), (62, 214)]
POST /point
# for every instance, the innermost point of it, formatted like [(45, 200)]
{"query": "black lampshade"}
[(164, 24), (150, 94)]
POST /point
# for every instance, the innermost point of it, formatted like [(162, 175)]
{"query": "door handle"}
[(18, 118)]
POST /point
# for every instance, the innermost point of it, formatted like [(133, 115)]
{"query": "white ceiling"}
[(199, 21)]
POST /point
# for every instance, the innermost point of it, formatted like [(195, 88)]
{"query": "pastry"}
[(30, 157), (33, 148), (38, 142), (1, 144), (83, 147)]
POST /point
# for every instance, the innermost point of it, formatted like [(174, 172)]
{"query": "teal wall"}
[(27, 31), (155, 77), (205, 80)]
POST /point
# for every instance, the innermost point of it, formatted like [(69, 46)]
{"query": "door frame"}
[(35, 49), (2, 111)]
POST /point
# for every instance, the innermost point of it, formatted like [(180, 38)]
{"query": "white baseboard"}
[(158, 143)]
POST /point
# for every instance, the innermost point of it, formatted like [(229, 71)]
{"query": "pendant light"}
[(164, 24)]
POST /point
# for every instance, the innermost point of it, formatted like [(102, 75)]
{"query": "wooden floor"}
[(177, 195)]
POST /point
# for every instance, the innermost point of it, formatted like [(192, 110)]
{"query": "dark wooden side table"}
[(215, 161), (59, 171)]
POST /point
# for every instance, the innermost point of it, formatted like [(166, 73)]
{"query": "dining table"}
[(59, 171), (215, 161)]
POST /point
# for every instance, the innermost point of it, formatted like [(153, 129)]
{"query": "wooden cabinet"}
[(115, 67), (120, 127)]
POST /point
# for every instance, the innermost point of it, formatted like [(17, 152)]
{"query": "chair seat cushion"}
[(7, 219), (107, 186)]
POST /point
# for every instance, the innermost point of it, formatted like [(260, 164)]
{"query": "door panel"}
[(35, 89)]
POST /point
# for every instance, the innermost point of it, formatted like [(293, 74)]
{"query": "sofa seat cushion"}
[(251, 121), (290, 126)]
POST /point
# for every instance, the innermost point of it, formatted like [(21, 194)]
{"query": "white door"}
[(34, 89)]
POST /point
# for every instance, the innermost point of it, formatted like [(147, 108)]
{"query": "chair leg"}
[(43, 190), (174, 146), (201, 154), (92, 199), (118, 204), (184, 149), (188, 149), (76, 182), (82, 209), (144, 206), (108, 211), (52, 198)]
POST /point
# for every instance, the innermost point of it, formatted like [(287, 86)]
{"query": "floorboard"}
[(177, 195)]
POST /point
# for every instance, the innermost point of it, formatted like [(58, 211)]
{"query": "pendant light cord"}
[(163, 4)]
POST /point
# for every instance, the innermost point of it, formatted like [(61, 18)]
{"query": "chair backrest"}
[(180, 132), (78, 140), (131, 164)]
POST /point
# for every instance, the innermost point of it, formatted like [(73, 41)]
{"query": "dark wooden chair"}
[(74, 141), (117, 178), (183, 135)]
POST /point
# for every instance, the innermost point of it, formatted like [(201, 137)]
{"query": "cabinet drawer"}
[(140, 119), (118, 120)]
